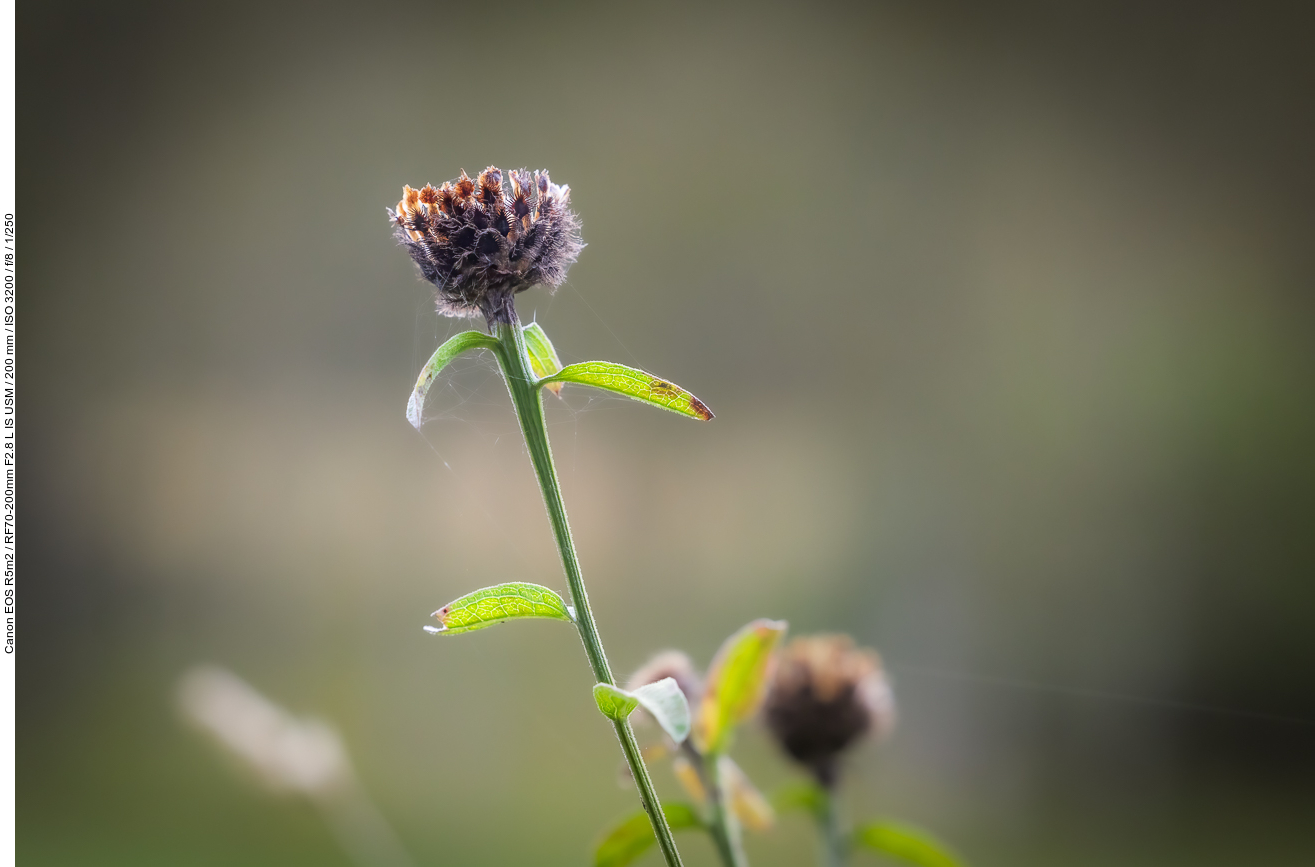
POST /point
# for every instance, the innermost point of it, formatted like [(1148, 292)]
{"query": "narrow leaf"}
[(634, 384), (688, 777), (904, 843), (746, 802), (736, 683), (498, 603), (663, 700), (632, 837), (543, 358), (615, 703), (439, 360)]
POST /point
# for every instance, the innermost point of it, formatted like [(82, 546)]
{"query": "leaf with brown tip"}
[(634, 384)]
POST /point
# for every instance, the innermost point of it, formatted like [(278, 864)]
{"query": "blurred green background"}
[(1005, 313)]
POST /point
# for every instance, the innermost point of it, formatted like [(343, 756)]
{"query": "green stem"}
[(835, 849), (521, 384), (725, 830)]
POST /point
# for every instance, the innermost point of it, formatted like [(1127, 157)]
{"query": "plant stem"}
[(525, 397), (725, 832), (835, 849)]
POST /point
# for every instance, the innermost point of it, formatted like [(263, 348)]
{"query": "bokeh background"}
[(1005, 312)]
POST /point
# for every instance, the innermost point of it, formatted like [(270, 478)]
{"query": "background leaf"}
[(688, 777), (543, 358), (614, 702), (904, 843), (805, 797), (632, 838), (498, 603), (746, 802), (634, 384), (449, 350), (736, 682)]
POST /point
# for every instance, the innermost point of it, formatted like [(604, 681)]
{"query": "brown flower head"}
[(482, 241), (826, 695)]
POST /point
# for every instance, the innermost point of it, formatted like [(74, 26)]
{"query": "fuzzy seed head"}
[(480, 241), (826, 695)]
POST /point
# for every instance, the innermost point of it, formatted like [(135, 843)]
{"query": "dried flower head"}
[(482, 241), (825, 696)]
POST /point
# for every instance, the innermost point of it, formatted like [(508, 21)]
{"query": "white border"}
[(8, 679)]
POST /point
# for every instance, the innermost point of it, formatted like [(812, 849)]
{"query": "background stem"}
[(835, 849), (525, 397), (724, 830)]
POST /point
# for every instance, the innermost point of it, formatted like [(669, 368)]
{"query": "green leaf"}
[(736, 683), (804, 797), (668, 705), (662, 699), (451, 349), (498, 603), (634, 384), (614, 702), (543, 358), (632, 837), (904, 843)]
